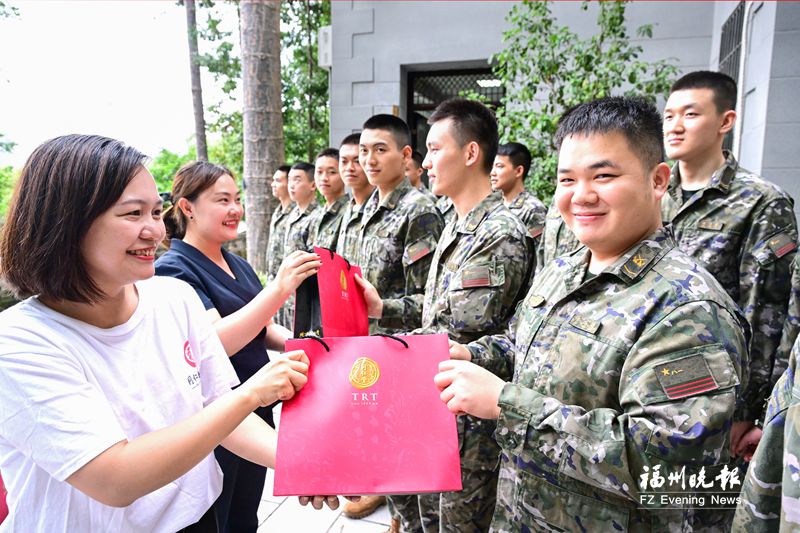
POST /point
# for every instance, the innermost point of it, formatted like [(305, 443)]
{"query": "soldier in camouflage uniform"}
[(478, 274), (277, 232), (557, 239), (510, 168), (770, 498), (328, 219), (624, 357), (738, 226), (414, 172), (772, 472), (400, 226), (298, 226), (399, 231), (361, 189)]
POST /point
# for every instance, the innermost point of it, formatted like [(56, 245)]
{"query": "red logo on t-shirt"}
[(187, 354)]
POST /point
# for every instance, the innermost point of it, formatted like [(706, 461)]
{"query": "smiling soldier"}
[(625, 356)]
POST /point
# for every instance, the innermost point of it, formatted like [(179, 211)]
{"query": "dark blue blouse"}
[(218, 290)]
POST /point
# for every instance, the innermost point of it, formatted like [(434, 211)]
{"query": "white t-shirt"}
[(69, 391)]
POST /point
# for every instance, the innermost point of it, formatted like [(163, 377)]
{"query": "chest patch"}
[(478, 276), (685, 377)]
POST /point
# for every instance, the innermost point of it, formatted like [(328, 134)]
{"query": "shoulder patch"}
[(477, 276), (638, 261), (536, 231), (418, 250), (685, 377), (781, 244), (710, 225), (536, 300)]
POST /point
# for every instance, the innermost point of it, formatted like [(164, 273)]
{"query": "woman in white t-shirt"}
[(114, 388)]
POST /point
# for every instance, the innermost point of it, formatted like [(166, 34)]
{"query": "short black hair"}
[(306, 167), (284, 168), (518, 154), (722, 85), (417, 157), (394, 125), (328, 152), (65, 185), (472, 121), (352, 138), (635, 118)]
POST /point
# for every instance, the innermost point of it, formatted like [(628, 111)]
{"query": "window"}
[(730, 47), (426, 90)]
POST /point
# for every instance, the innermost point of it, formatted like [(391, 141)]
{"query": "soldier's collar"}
[(720, 179), (337, 206), (634, 263), (519, 200), (479, 212), (310, 207), (390, 202)]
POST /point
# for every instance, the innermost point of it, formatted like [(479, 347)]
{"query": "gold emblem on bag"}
[(364, 373), (343, 281)]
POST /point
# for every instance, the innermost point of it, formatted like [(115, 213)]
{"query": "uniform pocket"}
[(543, 506)]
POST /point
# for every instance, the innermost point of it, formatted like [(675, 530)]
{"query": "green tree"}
[(546, 69), (7, 11), (164, 166), (305, 85), (8, 178)]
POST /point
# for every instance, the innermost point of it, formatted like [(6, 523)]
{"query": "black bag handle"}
[(331, 252), (398, 339), (319, 340)]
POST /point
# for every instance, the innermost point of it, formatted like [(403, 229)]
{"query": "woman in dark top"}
[(206, 213)]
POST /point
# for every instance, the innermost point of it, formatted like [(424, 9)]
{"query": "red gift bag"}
[(330, 303), (3, 503), (369, 420)]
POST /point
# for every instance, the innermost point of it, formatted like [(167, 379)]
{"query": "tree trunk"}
[(197, 89), (263, 122)]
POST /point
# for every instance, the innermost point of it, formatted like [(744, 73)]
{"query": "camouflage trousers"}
[(470, 509), (405, 509)]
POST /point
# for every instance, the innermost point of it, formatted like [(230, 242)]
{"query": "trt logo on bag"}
[(329, 303), (369, 420)]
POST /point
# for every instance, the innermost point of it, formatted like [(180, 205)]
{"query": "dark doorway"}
[(428, 89)]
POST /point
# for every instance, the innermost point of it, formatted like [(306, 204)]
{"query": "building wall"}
[(780, 161), (376, 43)]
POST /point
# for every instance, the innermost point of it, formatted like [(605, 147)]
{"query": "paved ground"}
[(279, 514)]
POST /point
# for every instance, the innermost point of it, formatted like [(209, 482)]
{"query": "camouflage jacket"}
[(349, 230), (396, 244), (531, 211), (557, 239), (446, 209), (770, 499), (427, 192), (277, 233), (614, 376), (326, 223), (742, 229), (478, 274), (298, 229), (791, 326)]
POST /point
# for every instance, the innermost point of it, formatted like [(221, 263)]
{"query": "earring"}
[(191, 217)]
